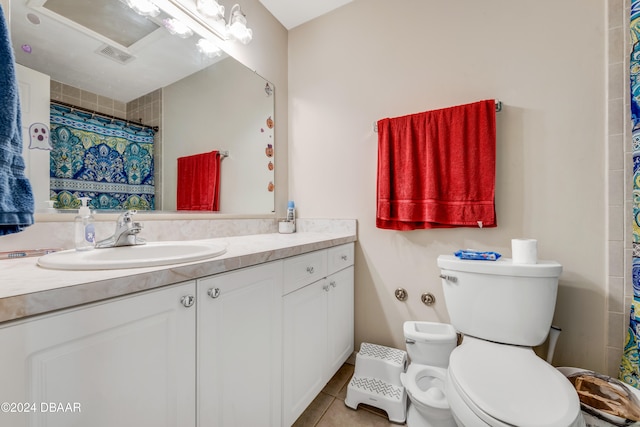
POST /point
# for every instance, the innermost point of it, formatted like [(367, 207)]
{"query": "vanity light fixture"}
[(177, 28), (143, 7), (208, 48), (210, 9), (237, 26)]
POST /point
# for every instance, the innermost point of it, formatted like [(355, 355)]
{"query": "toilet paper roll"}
[(524, 251)]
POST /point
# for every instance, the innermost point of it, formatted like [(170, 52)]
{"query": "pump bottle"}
[(85, 231)]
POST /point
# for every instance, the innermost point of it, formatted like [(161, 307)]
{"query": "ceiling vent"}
[(115, 54)]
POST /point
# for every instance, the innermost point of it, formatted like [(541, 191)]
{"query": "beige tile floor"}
[(328, 408)]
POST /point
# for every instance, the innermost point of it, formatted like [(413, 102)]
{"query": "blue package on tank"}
[(477, 255)]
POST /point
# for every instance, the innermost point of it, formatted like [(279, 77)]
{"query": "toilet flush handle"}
[(448, 278), (409, 341)]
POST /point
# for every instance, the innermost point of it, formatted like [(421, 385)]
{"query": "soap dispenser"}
[(85, 231)]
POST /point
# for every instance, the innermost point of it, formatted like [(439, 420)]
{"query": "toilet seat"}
[(510, 385), (434, 395)]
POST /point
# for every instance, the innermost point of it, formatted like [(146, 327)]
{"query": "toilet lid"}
[(512, 384)]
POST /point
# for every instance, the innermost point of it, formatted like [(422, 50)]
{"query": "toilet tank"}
[(500, 301), (430, 343)]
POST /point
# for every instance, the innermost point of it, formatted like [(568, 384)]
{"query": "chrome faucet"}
[(126, 233)]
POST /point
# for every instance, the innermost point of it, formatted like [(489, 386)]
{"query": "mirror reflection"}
[(199, 104)]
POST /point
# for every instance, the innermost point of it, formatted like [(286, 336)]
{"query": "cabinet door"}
[(240, 348), (125, 362), (341, 303), (305, 347)]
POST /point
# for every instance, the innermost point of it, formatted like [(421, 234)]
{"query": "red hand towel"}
[(199, 182), (436, 169)]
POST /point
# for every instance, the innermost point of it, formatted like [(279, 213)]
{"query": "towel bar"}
[(498, 109)]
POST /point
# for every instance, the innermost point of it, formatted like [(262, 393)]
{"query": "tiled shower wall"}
[(82, 98), (148, 110), (620, 171)]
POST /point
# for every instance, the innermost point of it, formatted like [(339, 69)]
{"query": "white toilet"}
[(429, 346), (494, 377)]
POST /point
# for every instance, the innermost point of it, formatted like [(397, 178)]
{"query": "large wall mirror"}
[(103, 51)]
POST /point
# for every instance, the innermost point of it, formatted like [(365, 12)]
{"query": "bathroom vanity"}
[(244, 339)]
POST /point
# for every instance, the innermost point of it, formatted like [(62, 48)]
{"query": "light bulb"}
[(237, 26), (208, 48), (177, 28), (210, 8), (143, 7)]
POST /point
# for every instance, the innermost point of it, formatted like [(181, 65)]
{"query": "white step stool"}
[(376, 381)]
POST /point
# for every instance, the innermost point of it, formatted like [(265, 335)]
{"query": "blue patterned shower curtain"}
[(107, 160), (630, 365)]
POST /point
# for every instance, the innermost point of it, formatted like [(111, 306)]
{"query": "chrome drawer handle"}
[(310, 270), (448, 278)]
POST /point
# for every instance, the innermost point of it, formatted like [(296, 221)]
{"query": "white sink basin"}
[(148, 255)]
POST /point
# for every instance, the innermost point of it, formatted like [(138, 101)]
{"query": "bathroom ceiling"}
[(101, 46), (292, 13), (70, 43)]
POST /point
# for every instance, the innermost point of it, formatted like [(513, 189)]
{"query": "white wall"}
[(6, 9), (544, 60), (235, 122), (267, 55)]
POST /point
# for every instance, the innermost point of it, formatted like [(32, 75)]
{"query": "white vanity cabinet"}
[(318, 310), (122, 362), (240, 348), (250, 347)]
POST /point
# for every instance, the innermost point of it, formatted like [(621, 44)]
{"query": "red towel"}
[(199, 182), (436, 169)]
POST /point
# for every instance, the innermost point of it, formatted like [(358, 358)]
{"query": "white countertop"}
[(27, 289)]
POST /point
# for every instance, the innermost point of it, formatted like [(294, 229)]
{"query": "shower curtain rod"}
[(106, 116), (498, 109)]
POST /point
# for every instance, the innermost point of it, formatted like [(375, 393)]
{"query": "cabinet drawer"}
[(304, 269), (339, 257)]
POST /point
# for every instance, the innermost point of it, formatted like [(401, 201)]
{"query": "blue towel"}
[(16, 195)]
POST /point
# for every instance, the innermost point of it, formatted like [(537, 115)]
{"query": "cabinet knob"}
[(310, 269), (214, 292), (333, 283), (343, 257), (325, 287), (188, 300)]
